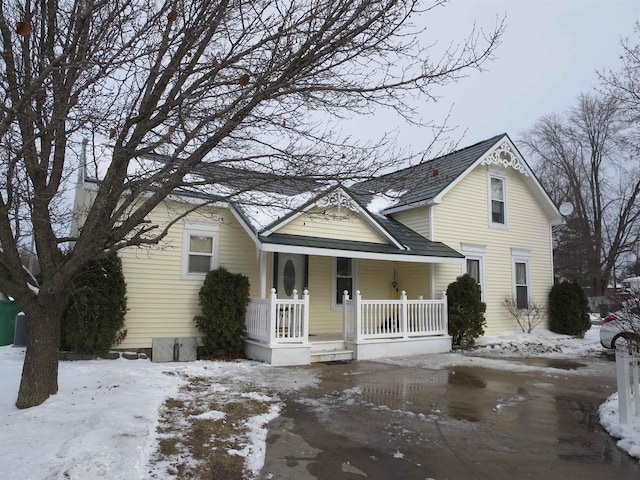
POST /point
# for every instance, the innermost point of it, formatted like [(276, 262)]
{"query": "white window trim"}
[(334, 287), (500, 174), (521, 255), (476, 252), (207, 229)]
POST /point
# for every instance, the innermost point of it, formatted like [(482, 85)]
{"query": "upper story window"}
[(343, 278), (199, 250), (497, 189)]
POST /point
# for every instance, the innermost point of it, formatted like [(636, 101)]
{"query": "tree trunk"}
[(40, 369)]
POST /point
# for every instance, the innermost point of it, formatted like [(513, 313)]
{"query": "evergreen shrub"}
[(93, 320), (568, 309), (466, 310), (223, 300)]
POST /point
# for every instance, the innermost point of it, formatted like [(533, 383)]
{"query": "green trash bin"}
[(8, 311), (604, 310)]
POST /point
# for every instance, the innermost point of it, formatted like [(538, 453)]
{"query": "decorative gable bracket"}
[(339, 199), (506, 156)]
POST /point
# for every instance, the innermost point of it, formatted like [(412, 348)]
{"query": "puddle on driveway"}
[(560, 363), (528, 420)]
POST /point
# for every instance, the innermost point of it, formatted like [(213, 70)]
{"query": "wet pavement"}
[(377, 421)]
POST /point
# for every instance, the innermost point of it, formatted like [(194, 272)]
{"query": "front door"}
[(291, 275)]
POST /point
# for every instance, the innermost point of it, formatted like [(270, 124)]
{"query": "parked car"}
[(623, 326)]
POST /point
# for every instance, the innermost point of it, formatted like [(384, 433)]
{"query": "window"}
[(522, 286), (199, 254), (473, 269), (498, 201), (474, 264), (343, 278), (521, 277)]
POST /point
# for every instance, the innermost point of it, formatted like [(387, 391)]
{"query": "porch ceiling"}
[(424, 251)]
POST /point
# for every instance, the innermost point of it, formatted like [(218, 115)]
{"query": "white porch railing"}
[(379, 319), (627, 370), (278, 320)]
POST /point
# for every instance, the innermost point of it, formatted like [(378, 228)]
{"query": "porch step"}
[(327, 345), (331, 355)]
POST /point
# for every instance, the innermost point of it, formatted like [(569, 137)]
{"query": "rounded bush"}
[(223, 300), (93, 320), (568, 309), (466, 310)]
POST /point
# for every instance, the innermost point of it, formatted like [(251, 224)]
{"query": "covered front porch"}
[(337, 284), (277, 329)]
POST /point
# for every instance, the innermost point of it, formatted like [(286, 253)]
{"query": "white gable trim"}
[(505, 155), (340, 199)]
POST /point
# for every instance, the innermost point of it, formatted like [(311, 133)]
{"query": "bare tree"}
[(233, 86), (623, 84), (590, 157)]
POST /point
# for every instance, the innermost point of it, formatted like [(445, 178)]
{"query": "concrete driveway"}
[(371, 420)]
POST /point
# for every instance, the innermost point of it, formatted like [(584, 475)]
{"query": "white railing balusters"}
[(281, 321), (398, 318), (275, 320)]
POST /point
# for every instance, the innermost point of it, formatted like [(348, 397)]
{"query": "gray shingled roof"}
[(426, 180), (418, 183), (418, 245)]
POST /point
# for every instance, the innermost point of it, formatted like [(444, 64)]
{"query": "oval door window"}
[(289, 277)]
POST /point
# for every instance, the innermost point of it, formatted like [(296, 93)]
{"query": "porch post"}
[(403, 314), (263, 274), (445, 313), (271, 321), (357, 314), (346, 334), (305, 315)]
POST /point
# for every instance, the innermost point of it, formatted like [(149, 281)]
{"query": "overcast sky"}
[(549, 54)]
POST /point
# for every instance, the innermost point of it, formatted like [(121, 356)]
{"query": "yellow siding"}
[(416, 219), (322, 317), (415, 279), (463, 217), (331, 223), (160, 302), (373, 279)]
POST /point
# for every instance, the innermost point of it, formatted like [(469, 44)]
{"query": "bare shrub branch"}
[(526, 318)]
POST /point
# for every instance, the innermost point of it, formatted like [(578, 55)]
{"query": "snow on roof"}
[(261, 209), (383, 201)]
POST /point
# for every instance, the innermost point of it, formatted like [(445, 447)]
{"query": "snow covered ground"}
[(103, 422)]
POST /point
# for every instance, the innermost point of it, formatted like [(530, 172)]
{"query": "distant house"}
[(392, 243)]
